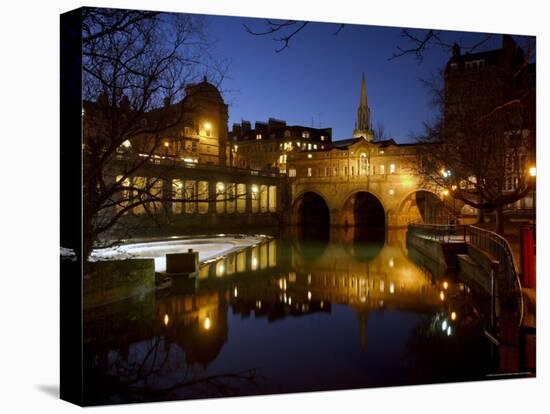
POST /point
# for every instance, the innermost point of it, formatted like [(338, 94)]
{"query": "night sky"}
[(316, 81)]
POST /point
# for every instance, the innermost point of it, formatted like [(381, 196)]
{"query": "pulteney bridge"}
[(360, 182)]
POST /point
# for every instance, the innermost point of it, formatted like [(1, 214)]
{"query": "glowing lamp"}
[(533, 171)]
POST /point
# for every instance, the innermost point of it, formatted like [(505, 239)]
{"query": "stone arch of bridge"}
[(420, 205), (310, 208), (361, 208)]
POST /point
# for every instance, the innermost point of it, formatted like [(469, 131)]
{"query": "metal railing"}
[(439, 232), (488, 241), (500, 249)]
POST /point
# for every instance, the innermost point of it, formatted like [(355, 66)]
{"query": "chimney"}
[(508, 42), (456, 50)]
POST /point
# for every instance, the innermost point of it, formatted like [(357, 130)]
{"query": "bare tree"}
[(419, 41), (380, 131), (135, 65), (283, 31), (480, 147)]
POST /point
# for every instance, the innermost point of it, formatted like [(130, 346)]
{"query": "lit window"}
[(258, 136), (309, 172), (322, 137), (202, 196), (392, 168), (220, 198), (272, 198), (264, 198), (241, 198), (207, 128), (255, 199), (305, 134), (314, 146), (363, 164), (382, 169), (292, 172)]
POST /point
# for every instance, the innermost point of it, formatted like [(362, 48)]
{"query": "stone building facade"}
[(483, 84), (268, 144)]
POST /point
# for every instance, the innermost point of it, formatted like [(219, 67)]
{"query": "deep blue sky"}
[(319, 76)]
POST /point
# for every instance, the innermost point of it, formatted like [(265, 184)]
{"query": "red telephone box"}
[(528, 256)]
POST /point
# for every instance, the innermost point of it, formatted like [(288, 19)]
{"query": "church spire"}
[(363, 124), (363, 101)]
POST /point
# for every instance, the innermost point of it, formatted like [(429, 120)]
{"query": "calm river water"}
[(341, 310)]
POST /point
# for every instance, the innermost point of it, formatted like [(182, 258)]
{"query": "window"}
[(309, 171), (352, 170), (258, 136), (220, 198), (292, 172), (202, 196), (363, 164), (382, 169), (272, 198), (322, 137), (255, 198), (190, 196), (273, 253), (177, 193), (241, 198), (305, 134), (124, 194), (140, 183), (392, 168), (230, 195), (327, 171), (336, 171)]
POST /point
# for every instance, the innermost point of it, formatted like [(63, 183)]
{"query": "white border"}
[(30, 208)]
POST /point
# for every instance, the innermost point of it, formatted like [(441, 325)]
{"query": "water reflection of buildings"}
[(277, 279), (197, 323)]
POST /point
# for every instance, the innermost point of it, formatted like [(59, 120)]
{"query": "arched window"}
[(363, 164)]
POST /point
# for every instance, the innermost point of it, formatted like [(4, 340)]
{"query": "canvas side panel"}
[(71, 383)]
